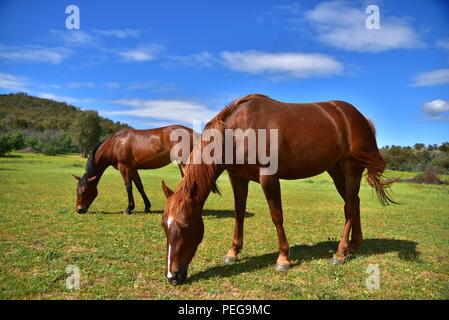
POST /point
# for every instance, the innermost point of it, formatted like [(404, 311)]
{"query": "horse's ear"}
[(77, 177), (91, 179), (167, 191)]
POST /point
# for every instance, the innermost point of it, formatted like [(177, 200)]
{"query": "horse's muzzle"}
[(81, 210), (178, 277)]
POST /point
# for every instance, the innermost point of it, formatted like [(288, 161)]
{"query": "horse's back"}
[(145, 149), (312, 137)]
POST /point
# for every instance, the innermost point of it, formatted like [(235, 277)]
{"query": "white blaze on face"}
[(169, 274)]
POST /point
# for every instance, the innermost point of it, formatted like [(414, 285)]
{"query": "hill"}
[(45, 126), (22, 111)]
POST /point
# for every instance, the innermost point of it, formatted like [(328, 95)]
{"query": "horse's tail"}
[(375, 165), (371, 125)]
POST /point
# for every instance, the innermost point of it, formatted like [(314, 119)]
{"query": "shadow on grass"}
[(135, 212), (324, 250), (214, 213), (223, 213), (12, 156)]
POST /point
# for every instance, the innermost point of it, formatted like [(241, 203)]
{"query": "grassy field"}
[(123, 257)]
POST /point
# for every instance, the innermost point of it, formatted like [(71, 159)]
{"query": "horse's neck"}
[(101, 163)]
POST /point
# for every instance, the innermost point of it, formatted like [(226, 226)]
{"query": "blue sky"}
[(154, 63)]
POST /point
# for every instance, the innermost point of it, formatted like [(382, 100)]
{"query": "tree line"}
[(50, 127), (417, 158)]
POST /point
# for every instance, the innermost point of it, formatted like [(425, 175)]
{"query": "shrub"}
[(10, 141)]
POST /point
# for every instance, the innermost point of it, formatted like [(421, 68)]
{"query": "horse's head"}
[(184, 228), (86, 192)]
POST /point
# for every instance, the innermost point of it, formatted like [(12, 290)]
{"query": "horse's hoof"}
[(282, 267), (229, 259), (127, 211), (338, 261), (147, 211)]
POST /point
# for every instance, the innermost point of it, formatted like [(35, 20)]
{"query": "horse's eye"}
[(185, 227)]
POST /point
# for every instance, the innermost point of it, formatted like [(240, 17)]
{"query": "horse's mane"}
[(203, 174), (217, 122), (90, 165)]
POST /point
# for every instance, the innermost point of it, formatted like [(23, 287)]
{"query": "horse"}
[(127, 150), (330, 136)]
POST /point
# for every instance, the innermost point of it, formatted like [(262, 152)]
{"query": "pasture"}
[(123, 256)]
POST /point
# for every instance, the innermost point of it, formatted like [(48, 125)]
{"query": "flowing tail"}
[(375, 165)]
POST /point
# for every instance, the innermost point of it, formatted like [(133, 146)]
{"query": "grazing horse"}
[(330, 136), (127, 151)]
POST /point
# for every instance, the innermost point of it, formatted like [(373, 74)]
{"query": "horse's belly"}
[(309, 159), (153, 161)]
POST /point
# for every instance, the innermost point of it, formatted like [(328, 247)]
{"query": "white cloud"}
[(173, 110), (51, 96), (119, 33), (112, 85), (148, 124), (443, 44), (53, 55), (81, 85), (12, 82), (204, 59), (343, 26), (436, 107), (289, 64), (74, 38), (431, 78), (142, 53), (57, 98)]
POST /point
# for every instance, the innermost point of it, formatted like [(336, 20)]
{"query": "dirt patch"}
[(429, 176)]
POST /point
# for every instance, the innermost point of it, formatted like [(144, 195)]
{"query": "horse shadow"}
[(214, 213), (300, 253), (223, 213), (135, 212), (12, 156)]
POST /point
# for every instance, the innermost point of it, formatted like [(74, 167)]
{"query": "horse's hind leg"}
[(272, 190), (356, 233), (352, 176), (240, 188), (139, 185), (127, 178)]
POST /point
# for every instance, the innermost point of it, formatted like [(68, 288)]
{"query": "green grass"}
[(123, 257)]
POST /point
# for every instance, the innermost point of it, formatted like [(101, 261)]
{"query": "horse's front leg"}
[(272, 190), (127, 178), (240, 188)]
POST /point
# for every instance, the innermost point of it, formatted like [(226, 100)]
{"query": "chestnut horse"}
[(330, 136), (127, 151)]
